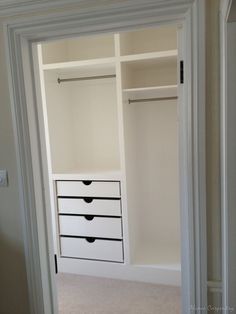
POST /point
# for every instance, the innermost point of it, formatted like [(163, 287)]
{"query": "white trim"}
[(13, 7), (19, 36), (224, 13), (199, 188)]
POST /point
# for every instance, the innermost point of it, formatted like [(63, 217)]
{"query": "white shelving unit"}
[(99, 137)]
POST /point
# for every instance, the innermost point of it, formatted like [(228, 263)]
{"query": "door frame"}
[(20, 36), (228, 153)]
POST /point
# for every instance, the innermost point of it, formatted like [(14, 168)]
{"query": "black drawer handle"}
[(88, 199), (90, 240), (88, 217), (87, 182)]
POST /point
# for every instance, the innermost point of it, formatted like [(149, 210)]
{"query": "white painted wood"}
[(47, 141), (226, 142), (149, 73), (160, 55), (83, 126), (13, 7), (99, 249), (148, 40), (228, 72), (186, 217), (151, 92), (96, 207), (95, 65), (95, 189), (99, 227), (151, 136), (78, 49), (199, 183), (124, 15), (158, 274), (78, 174), (153, 254), (123, 182)]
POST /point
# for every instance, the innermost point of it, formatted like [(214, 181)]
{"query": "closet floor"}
[(92, 295)]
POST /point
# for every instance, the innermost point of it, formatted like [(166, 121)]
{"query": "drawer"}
[(98, 227), (88, 188), (89, 206), (106, 250)]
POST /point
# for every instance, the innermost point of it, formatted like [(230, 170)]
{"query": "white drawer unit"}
[(90, 226), (90, 219), (88, 248), (89, 206), (109, 189)]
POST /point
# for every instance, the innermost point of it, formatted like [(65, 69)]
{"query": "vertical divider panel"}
[(120, 113), (49, 161)]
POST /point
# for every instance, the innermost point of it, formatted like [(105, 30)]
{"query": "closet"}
[(111, 126)]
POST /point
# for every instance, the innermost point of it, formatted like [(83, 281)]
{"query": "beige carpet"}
[(90, 295)]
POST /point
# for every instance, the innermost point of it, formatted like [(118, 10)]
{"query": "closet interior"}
[(111, 126)]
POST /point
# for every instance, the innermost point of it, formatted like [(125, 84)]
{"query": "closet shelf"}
[(88, 175), (167, 54), (94, 65), (151, 92)]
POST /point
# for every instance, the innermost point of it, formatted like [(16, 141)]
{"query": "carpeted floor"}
[(91, 295)]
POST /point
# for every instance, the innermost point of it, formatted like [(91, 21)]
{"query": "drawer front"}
[(99, 249), (99, 227), (88, 188), (89, 206)]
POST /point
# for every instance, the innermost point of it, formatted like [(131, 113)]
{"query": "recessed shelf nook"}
[(128, 153)]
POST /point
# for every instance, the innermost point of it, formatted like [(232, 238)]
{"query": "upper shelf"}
[(151, 92), (76, 65), (79, 49), (148, 40), (95, 67), (162, 55)]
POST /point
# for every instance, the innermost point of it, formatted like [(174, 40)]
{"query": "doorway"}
[(111, 124), (37, 150)]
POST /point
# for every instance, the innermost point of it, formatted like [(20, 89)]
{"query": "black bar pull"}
[(88, 217), (181, 72), (56, 267), (87, 182), (88, 199)]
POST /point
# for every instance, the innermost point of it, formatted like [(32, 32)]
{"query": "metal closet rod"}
[(151, 99), (85, 78)]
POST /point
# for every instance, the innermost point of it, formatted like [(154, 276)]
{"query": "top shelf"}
[(150, 43), (161, 55), (74, 65)]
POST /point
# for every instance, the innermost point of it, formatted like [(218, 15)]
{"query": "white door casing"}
[(228, 154), (20, 34)]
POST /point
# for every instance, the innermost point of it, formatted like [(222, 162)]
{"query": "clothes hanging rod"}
[(86, 78), (152, 99)]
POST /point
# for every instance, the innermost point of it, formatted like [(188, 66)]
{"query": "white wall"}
[(13, 287)]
